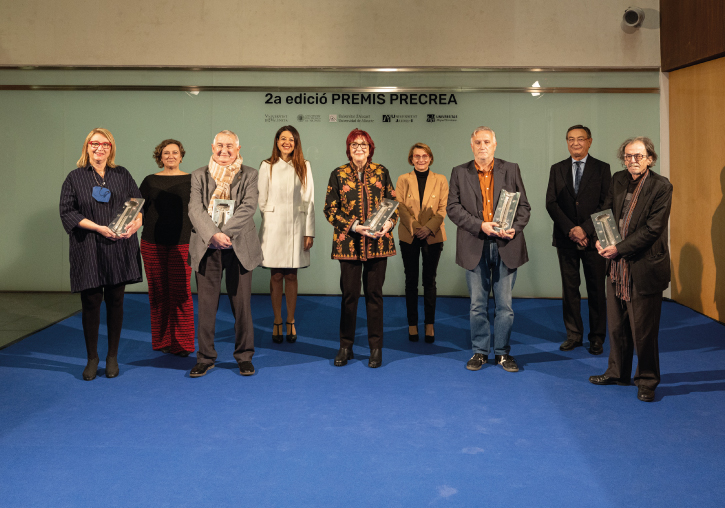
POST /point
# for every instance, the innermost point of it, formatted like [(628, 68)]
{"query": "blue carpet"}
[(419, 431)]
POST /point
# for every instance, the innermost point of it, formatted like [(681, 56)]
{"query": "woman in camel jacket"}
[(423, 196)]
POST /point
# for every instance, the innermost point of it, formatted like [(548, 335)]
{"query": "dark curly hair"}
[(160, 148)]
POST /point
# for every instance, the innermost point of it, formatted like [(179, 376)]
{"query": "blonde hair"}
[(420, 146), (83, 161)]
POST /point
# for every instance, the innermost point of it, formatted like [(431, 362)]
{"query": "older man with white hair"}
[(231, 245), (490, 257)]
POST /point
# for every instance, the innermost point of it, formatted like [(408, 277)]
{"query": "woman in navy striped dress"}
[(101, 262)]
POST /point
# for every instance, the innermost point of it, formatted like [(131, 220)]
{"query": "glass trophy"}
[(506, 210), (131, 209), (607, 231), (385, 209), (222, 211)]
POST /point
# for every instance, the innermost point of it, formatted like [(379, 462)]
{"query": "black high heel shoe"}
[(430, 339), (291, 337), (277, 337), (413, 337)]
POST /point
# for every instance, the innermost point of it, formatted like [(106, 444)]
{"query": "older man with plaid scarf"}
[(231, 245)]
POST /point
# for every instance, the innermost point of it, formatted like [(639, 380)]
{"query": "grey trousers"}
[(239, 288)]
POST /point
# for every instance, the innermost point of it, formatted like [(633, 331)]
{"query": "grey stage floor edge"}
[(25, 313)]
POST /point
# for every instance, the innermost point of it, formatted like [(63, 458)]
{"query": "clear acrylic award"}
[(222, 211), (506, 210), (385, 209), (607, 231), (131, 209)]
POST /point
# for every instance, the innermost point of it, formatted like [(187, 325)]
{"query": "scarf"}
[(223, 176), (619, 269)]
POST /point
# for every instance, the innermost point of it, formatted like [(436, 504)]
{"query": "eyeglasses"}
[(95, 145), (421, 157), (580, 140), (355, 146), (634, 157)]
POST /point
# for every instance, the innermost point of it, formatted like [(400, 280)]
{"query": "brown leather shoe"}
[(200, 369)]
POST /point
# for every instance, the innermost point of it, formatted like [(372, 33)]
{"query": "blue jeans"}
[(491, 270)]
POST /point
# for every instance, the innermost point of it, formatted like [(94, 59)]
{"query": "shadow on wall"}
[(717, 234), (690, 275)]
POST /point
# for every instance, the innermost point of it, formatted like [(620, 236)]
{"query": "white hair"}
[(226, 133), (484, 129)]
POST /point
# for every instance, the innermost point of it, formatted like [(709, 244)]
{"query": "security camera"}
[(633, 17)]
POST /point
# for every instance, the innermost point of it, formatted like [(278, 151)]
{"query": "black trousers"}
[(239, 289), (373, 277), (634, 325), (91, 317), (411, 262), (595, 267)]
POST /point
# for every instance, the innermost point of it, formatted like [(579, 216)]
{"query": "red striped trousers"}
[(172, 309)]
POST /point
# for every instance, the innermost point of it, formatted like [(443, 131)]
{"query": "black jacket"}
[(645, 246), (567, 209)]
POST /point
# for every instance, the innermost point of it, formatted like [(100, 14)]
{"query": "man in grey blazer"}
[(490, 257), (234, 247)]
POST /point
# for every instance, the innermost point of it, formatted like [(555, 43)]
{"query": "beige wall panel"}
[(697, 151), (339, 33)]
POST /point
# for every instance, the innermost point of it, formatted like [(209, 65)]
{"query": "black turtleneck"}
[(422, 177)]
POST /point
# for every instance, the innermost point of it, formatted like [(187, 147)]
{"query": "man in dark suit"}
[(232, 246), (638, 268), (577, 188), (490, 256)]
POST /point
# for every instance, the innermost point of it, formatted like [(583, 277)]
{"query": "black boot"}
[(112, 366), (343, 356), (89, 373), (376, 358)]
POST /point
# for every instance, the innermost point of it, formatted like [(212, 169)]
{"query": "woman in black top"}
[(165, 250), (101, 262)]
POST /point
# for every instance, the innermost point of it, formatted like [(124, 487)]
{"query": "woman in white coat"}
[(287, 204)]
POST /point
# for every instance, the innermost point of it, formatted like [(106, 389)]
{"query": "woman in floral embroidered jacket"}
[(353, 191)]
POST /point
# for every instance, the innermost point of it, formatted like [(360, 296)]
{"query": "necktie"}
[(578, 177)]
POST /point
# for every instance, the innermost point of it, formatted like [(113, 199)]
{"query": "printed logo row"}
[(356, 118)]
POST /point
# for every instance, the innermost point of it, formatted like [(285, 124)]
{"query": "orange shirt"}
[(485, 179)]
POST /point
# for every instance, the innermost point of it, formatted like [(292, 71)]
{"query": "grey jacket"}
[(465, 209), (240, 228)]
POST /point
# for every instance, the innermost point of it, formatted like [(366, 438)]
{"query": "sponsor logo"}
[(352, 118), (309, 118), (275, 118), (441, 118), (399, 118)]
